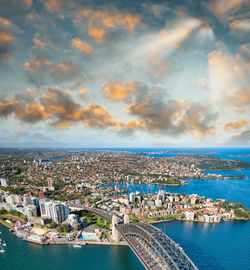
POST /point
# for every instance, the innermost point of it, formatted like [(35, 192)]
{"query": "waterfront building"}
[(10, 200), (18, 199), (132, 197), (90, 234), (158, 203), (193, 200), (171, 198), (39, 220), (189, 215), (161, 195), (30, 210), (4, 182)]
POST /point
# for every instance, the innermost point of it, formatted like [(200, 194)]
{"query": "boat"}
[(77, 246), (2, 250), (4, 244)]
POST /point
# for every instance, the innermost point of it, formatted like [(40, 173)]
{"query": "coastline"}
[(198, 221), (66, 243)]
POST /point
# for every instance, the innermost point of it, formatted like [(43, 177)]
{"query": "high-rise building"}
[(42, 206), (50, 182), (6, 194), (48, 209), (58, 214), (27, 201), (35, 201)]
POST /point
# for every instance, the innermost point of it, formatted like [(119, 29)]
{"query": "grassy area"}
[(2, 221)]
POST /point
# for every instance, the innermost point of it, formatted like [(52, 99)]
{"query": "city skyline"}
[(146, 74)]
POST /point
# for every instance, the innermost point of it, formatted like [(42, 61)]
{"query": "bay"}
[(210, 246)]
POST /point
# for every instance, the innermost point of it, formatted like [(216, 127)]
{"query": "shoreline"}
[(198, 221), (66, 243)]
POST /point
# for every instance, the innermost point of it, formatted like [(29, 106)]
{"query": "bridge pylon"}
[(126, 219), (115, 233)]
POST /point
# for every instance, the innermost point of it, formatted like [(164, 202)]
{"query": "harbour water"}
[(210, 246)]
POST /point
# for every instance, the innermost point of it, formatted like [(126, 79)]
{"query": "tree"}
[(52, 225)]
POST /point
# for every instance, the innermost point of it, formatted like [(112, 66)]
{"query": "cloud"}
[(7, 43), (28, 3), (37, 64), (82, 46), (120, 91), (224, 8), (52, 5), (235, 124), (5, 22), (243, 25), (202, 83), (51, 32), (227, 72), (240, 97), (174, 117), (57, 107), (241, 139), (37, 42), (102, 21), (41, 70)]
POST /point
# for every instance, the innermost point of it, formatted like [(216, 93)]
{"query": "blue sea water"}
[(210, 246)]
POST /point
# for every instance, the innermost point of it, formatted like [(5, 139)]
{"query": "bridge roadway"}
[(97, 211), (154, 248)]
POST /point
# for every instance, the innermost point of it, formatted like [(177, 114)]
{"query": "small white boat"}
[(77, 246), (2, 250), (4, 244)]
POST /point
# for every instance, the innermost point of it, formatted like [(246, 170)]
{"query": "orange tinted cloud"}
[(130, 126), (84, 91), (119, 91), (5, 22), (37, 63), (202, 82), (238, 109), (28, 3), (52, 5), (58, 106), (235, 124), (65, 67), (97, 33), (224, 8), (96, 116), (37, 42), (82, 46), (99, 21), (7, 38), (241, 25)]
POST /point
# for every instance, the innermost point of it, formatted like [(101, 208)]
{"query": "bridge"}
[(154, 249), (97, 211)]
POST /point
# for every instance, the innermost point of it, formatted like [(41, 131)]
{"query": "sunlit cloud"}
[(235, 124), (82, 46), (100, 22)]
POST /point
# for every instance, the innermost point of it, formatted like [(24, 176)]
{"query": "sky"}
[(124, 73)]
